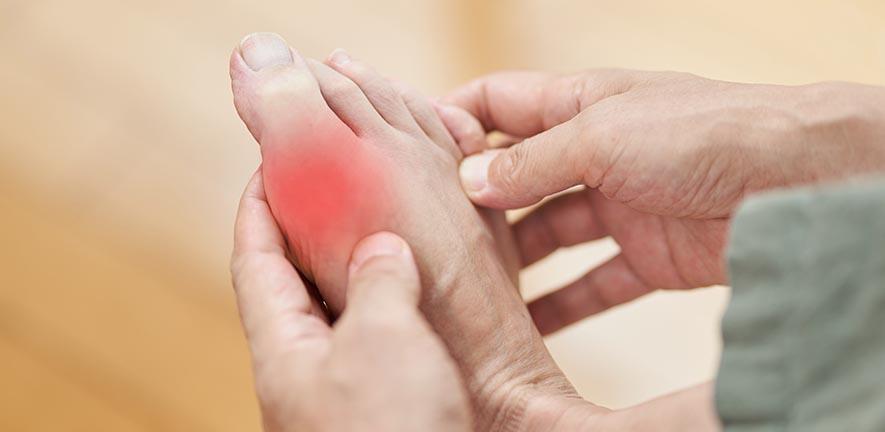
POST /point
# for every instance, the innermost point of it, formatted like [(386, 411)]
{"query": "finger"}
[(383, 278), (544, 164), (564, 221), (277, 312), (465, 128), (513, 102), (608, 285), (526, 103)]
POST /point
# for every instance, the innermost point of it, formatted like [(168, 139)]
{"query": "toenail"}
[(262, 50), (339, 57), (475, 170)]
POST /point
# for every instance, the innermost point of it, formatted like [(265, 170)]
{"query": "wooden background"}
[(122, 159)]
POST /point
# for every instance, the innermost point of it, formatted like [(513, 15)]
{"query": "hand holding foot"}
[(381, 367), (381, 355), (346, 154), (665, 157)]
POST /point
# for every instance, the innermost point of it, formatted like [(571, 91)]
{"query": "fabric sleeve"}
[(804, 333)]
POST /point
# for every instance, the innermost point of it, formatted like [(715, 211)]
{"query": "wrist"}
[(809, 134), (842, 130)]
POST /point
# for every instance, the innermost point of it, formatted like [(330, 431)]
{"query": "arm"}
[(803, 342), (665, 158)]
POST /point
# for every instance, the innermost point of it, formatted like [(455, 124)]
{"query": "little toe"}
[(378, 90)]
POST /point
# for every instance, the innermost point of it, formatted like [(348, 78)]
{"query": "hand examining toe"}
[(381, 367), (664, 158), (380, 357), (362, 191), (346, 153)]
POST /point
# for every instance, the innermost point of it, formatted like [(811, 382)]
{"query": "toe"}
[(347, 100), (428, 120), (378, 90), (264, 50), (274, 90)]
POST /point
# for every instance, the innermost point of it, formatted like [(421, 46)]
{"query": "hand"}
[(346, 153), (380, 368), (381, 371), (665, 157)]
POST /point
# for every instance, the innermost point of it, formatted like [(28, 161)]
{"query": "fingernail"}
[(475, 170), (262, 50), (379, 244), (339, 57)]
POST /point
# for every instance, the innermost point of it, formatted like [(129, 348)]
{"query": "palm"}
[(657, 252), (665, 252)]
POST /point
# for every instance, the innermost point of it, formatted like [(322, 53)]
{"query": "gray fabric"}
[(804, 333)]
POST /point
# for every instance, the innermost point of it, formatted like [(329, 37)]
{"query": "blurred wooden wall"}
[(121, 162)]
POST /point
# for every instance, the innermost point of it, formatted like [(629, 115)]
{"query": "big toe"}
[(263, 50), (274, 90)]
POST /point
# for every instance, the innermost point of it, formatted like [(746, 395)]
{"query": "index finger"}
[(523, 103)]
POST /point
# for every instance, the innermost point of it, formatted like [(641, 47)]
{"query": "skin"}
[(381, 363), (664, 160), (511, 383), (387, 371), (367, 364), (469, 296)]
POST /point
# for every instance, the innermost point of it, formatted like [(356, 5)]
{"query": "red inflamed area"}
[(326, 190)]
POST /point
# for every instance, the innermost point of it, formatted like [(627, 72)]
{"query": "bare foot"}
[(346, 154)]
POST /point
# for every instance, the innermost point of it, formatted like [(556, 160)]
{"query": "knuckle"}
[(597, 159), (508, 171)]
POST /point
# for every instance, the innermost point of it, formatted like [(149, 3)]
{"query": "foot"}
[(346, 154)]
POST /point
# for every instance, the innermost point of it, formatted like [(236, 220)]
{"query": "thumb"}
[(526, 172), (382, 274)]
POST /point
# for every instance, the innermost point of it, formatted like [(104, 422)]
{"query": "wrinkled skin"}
[(665, 159)]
